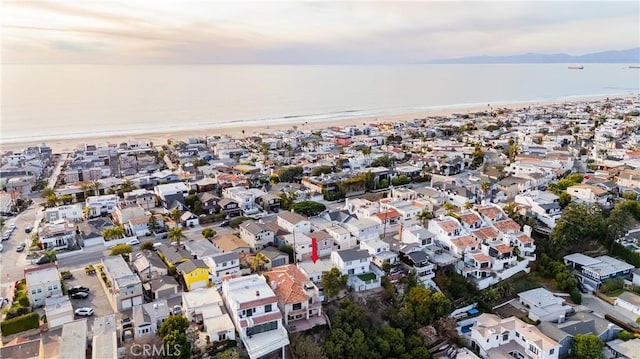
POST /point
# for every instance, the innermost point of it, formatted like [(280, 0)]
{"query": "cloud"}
[(310, 32)]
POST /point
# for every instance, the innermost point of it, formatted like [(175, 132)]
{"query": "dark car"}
[(42, 260), (79, 295), (224, 224), (20, 248), (77, 289), (126, 323)]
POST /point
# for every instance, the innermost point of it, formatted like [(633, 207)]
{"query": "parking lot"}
[(97, 298)]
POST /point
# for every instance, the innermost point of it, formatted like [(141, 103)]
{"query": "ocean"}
[(40, 102)]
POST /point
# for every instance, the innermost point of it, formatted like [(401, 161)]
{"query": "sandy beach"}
[(157, 138)]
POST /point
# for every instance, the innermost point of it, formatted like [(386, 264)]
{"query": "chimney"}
[(257, 293), (400, 232)]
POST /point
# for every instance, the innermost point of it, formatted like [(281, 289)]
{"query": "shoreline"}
[(304, 123)]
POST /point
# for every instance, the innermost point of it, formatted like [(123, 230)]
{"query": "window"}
[(39, 290), (552, 351), (517, 335), (33, 291), (267, 308), (297, 306), (222, 336), (250, 312), (505, 336)]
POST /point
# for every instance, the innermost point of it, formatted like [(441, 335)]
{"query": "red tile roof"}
[(289, 282), (485, 233), (491, 212), (524, 238), (469, 218), (448, 225), (465, 242), (262, 319), (388, 215), (507, 225)]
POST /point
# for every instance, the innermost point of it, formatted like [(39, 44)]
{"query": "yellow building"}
[(195, 273)]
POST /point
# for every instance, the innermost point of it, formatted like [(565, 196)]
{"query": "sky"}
[(306, 32)]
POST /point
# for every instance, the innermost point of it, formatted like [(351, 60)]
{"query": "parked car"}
[(177, 310), (6, 236), (77, 288), (42, 260), (21, 247), (79, 295), (126, 323), (84, 312), (133, 242), (1, 247), (157, 245), (3, 302), (224, 224), (28, 228)]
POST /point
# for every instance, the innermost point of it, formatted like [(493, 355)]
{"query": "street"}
[(600, 307)]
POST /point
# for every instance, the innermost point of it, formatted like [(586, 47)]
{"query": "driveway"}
[(97, 297)]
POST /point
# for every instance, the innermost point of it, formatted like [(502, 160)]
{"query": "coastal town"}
[(502, 233)]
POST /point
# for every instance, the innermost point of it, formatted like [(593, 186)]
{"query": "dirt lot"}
[(97, 297)]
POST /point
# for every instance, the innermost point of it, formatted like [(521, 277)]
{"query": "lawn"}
[(367, 276)]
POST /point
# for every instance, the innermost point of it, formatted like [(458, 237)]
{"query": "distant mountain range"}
[(631, 56)]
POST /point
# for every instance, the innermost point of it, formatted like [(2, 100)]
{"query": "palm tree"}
[(96, 187), (424, 216), (175, 215), (485, 187), (258, 261), (153, 224), (85, 187), (127, 185), (50, 255), (118, 232), (86, 211), (175, 235)]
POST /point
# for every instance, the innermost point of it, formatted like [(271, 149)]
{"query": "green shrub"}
[(17, 311), (20, 324), (24, 301), (576, 296)]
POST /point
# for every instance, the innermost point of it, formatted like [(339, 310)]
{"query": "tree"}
[(148, 245), (232, 354), (236, 222), (50, 255), (66, 198), (290, 174), (127, 186), (47, 192), (208, 233), (175, 235), (578, 222), (113, 232), (120, 249), (333, 281), (587, 346), (317, 171), (383, 161), (96, 187), (424, 217), (485, 187), (308, 208), (176, 344), (173, 323), (152, 225), (258, 261), (304, 347), (175, 216)]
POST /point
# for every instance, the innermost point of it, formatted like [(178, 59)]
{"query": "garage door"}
[(137, 300), (126, 303)]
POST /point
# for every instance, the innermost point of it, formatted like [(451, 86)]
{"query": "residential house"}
[(147, 318), (589, 194), (276, 257), (23, 348), (591, 272), (42, 282), (416, 234), (269, 202), (162, 287), (342, 238), (356, 264), (164, 190), (59, 234), (624, 349), (418, 261), (544, 305), (564, 331), (126, 287), (293, 222), (101, 204), (148, 265), (204, 305), (210, 202), (140, 197), (230, 207), (363, 229), (629, 301), (230, 243), (173, 255), (72, 212), (628, 178), (104, 344), (512, 186), (200, 248), (222, 265), (298, 297), (256, 234), (58, 310), (73, 340), (253, 308), (510, 337), (189, 219), (195, 273), (380, 252), (544, 205)]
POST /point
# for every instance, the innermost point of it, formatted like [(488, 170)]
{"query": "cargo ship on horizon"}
[(576, 67)]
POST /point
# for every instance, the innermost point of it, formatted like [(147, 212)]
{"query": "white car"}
[(133, 242), (84, 312)]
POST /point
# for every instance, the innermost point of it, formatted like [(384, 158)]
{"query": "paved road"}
[(56, 172), (600, 307), (12, 263)]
